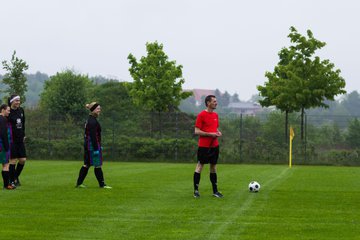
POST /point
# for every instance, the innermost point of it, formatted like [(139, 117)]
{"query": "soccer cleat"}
[(9, 187), (17, 182), (218, 195), (106, 187), (196, 194), (81, 186), (13, 185)]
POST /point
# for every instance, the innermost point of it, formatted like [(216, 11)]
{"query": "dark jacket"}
[(92, 136), (4, 139), (17, 121)]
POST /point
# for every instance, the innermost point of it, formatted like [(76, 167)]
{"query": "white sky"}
[(224, 44)]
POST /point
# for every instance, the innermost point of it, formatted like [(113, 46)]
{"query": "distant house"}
[(200, 94), (245, 108)]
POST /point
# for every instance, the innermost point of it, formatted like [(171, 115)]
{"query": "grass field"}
[(154, 201)]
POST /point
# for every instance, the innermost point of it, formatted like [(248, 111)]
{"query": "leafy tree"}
[(225, 99), (301, 80), (15, 77), (157, 81), (353, 135), (235, 98), (352, 103), (66, 93), (35, 87)]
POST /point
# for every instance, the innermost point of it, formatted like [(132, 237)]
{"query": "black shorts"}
[(208, 155), (17, 150)]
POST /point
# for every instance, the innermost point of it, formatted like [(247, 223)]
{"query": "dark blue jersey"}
[(4, 137), (17, 121), (92, 137)]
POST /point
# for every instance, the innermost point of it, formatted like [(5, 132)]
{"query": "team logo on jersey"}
[(18, 123)]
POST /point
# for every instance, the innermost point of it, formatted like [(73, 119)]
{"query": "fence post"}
[(49, 148), (305, 138), (113, 137), (240, 137), (177, 135)]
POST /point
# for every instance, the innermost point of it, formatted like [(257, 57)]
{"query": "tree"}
[(66, 93), (301, 80), (352, 103), (353, 135), (235, 98), (15, 77), (157, 82)]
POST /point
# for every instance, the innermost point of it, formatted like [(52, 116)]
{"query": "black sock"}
[(196, 181), (19, 168), (12, 172), (82, 174), (213, 179), (99, 176), (5, 175)]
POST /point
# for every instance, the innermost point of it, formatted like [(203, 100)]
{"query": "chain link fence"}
[(170, 137)]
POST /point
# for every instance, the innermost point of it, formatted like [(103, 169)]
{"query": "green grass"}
[(154, 201)]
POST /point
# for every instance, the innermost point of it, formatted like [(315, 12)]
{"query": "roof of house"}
[(198, 93), (244, 105)]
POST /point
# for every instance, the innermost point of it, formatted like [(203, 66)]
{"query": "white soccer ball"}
[(254, 186)]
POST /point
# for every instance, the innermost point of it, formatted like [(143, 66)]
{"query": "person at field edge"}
[(17, 150), (92, 148), (207, 128), (4, 145)]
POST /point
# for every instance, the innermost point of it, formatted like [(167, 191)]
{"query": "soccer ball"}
[(254, 186)]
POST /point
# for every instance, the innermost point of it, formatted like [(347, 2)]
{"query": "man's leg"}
[(197, 173), (213, 180)]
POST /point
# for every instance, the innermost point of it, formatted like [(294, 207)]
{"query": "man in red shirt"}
[(206, 126)]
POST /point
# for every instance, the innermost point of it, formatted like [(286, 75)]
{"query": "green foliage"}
[(15, 77), (353, 134), (157, 81), (301, 80), (66, 93), (35, 84)]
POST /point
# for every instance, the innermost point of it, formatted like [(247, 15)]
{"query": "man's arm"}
[(206, 134)]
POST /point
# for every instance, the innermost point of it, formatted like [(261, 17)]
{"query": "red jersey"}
[(207, 122)]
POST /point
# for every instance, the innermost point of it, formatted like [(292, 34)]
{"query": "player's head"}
[(14, 101), (94, 108), (4, 110), (210, 101)]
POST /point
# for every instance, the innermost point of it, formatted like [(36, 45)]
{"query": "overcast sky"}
[(227, 44)]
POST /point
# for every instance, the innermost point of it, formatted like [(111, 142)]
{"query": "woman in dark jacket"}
[(92, 147), (5, 145)]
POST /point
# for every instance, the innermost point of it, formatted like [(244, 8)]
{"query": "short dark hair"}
[(208, 99), (3, 107)]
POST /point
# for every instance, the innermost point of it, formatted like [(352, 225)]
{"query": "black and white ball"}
[(254, 186)]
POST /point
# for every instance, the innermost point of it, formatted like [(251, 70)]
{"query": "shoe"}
[(9, 187), (17, 183), (81, 186), (13, 185), (196, 194), (106, 187), (218, 195)]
